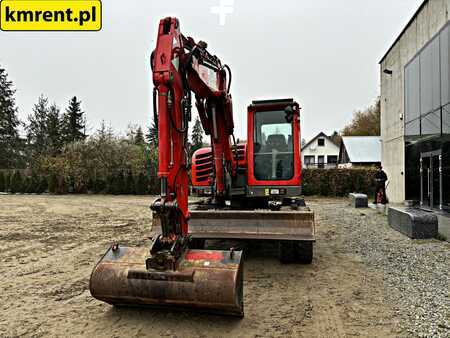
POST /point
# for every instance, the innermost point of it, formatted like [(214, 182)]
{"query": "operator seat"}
[(277, 142)]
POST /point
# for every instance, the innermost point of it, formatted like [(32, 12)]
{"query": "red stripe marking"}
[(204, 255)]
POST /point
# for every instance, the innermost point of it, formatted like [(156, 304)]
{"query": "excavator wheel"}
[(290, 252), (286, 252), (304, 252)]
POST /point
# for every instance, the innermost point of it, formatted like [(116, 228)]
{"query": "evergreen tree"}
[(37, 135), (131, 133), (73, 122), (104, 133), (16, 182), (9, 124), (53, 126), (197, 135), (139, 137), (2, 182), (152, 136)]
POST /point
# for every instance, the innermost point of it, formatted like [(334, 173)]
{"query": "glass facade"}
[(427, 89), (427, 124)]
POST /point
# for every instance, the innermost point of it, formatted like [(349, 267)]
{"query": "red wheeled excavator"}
[(251, 189)]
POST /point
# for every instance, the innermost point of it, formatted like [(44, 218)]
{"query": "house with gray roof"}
[(360, 151)]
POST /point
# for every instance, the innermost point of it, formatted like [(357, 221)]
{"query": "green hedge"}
[(119, 184), (337, 182), (323, 182)]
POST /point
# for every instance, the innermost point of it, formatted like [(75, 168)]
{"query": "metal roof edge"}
[(404, 29)]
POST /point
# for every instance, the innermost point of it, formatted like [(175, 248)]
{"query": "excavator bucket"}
[(208, 281)]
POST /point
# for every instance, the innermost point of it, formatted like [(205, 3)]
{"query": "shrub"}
[(16, 182), (53, 184), (100, 185), (2, 182), (337, 182), (26, 185), (118, 184), (43, 185), (141, 187), (8, 177), (32, 184), (129, 184)]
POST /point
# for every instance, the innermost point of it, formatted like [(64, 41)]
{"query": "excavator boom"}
[(169, 273)]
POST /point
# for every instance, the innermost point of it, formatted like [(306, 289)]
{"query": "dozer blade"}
[(208, 281)]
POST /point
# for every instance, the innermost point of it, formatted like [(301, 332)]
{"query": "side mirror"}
[(289, 114)]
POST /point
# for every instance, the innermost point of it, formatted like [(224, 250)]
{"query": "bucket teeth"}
[(208, 281)]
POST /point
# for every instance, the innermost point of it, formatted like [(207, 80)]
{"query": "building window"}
[(427, 88), (309, 160), (431, 123), (321, 142), (332, 159), (321, 162), (446, 119), (412, 98)]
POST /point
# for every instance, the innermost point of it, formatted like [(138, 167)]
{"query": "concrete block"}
[(359, 200), (444, 225), (414, 223)]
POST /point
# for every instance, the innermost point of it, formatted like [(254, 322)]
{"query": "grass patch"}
[(441, 237)]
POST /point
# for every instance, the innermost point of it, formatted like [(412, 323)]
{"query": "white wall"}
[(428, 22), (330, 149)]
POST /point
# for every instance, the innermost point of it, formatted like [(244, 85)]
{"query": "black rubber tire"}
[(286, 252), (197, 244), (305, 252)]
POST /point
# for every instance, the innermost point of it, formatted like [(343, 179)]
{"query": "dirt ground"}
[(49, 245)]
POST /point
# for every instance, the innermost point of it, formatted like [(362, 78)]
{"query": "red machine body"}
[(172, 273), (202, 169), (269, 163)]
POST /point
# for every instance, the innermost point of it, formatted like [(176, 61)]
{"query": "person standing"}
[(380, 184)]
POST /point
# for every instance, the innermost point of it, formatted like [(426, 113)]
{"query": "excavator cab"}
[(273, 149), (268, 164)]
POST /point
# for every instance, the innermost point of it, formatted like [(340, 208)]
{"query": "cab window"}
[(273, 147)]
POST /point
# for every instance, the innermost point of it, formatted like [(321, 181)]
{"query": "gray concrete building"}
[(415, 109)]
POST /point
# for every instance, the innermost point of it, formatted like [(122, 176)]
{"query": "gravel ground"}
[(416, 273)]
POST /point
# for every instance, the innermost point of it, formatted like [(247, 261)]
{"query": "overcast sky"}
[(324, 53)]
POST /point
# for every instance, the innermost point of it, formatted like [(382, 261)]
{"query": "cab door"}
[(274, 145)]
